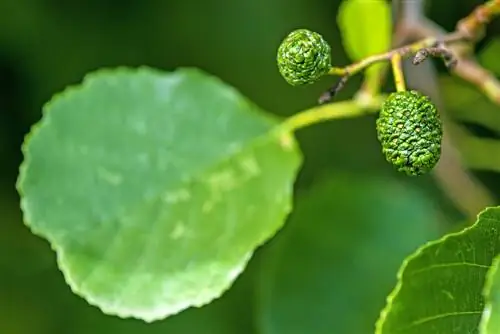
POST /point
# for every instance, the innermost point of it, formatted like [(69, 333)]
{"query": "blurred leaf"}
[(490, 320), (366, 28), (467, 104), (489, 56), (330, 269), (154, 188), (479, 153), (440, 286)]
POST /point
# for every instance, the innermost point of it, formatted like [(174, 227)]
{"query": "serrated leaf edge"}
[(390, 298), (492, 272), (87, 79), (108, 308), (284, 137)]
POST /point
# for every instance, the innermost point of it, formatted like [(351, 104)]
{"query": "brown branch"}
[(439, 50), (474, 24)]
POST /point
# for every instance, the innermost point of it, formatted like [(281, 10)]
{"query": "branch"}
[(466, 67), (461, 187), (435, 43), (474, 24), (359, 106), (403, 51)]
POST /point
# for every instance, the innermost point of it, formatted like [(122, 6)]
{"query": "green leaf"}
[(331, 267), (230, 314), (155, 188), (365, 27), (489, 56), (366, 30), (440, 286), (490, 320), (467, 104)]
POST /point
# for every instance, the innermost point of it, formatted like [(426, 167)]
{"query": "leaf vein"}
[(449, 265), (440, 316)]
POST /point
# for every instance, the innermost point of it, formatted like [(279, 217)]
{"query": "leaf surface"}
[(440, 286), (155, 188), (366, 30)]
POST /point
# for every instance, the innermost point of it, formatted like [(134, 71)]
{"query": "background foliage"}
[(336, 259)]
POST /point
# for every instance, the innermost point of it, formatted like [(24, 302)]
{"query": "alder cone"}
[(410, 131), (303, 57)]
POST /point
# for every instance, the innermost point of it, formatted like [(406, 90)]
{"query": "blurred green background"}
[(355, 220)]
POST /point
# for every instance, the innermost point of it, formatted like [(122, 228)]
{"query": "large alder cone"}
[(410, 130)]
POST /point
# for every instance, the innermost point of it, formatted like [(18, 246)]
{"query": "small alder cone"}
[(410, 130), (303, 57)]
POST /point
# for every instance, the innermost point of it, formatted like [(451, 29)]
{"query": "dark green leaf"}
[(440, 286), (330, 269), (155, 188)]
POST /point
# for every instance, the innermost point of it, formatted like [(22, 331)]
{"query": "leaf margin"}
[(401, 272), (284, 137)]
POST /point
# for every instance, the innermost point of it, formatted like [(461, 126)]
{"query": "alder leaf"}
[(440, 287), (154, 188), (366, 28)]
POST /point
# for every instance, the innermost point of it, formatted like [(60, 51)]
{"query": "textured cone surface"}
[(303, 57), (410, 131)]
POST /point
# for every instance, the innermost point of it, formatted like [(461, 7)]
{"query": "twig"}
[(403, 51), (397, 69), (466, 66), (329, 94), (473, 25), (461, 187), (440, 44), (440, 50), (361, 105)]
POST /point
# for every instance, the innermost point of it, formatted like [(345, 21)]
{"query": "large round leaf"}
[(155, 188)]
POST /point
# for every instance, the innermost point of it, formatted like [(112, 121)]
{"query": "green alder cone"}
[(410, 130), (303, 57)]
